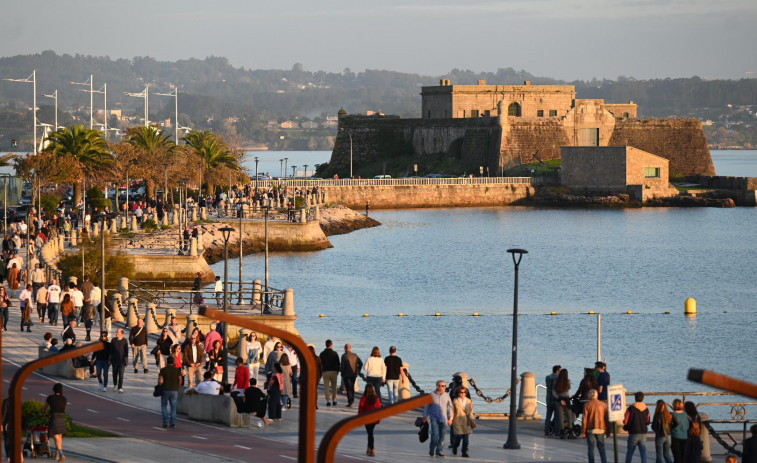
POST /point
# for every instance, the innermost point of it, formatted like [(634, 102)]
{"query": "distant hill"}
[(212, 91)]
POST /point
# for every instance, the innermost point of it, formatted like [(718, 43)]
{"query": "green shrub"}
[(116, 264), (50, 203), (33, 414), (149, 225), (165, 227)]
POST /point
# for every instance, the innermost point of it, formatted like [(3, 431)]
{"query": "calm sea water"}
[(453, 261)]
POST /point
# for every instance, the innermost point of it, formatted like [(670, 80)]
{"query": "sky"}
[(563, 39)]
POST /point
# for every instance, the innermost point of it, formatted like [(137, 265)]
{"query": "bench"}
[(213, 408), (63, 369)]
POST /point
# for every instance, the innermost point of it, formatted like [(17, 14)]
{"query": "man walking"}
[(53, 302), (551, 401), (439, 415), (194, 355), (102, 362), (330, 364), (138, 341), (350, 366), (635, 422), (595, 426), (119, 357), (394, 372), (171, 379)]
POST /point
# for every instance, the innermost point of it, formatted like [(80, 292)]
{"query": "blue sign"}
[(616, 403)]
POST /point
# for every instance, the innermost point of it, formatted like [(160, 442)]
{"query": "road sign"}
[(616, 402)]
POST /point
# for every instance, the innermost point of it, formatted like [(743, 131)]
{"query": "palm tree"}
[(154, 147), (212, 152), (85, 149)]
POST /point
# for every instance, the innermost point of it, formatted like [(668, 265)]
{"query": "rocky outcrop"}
[(548, 199), (338, 220)]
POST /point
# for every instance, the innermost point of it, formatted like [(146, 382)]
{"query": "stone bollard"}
[(463, 376), (123, 287), (706, 455), (150, 315), (191, 323), (123, 222), (134, 226), (243, 333), (116, 315), (133, 313), (527, 402), (200, 245), (114, 226), (175, 216), (73, 280), (165, 219), (194, 214), (95, 229), (257, 289), (193, 246), (303, 216), (170, 313), (73, 238), (317, 213), (288, 304), (404, 385), (204, 213)]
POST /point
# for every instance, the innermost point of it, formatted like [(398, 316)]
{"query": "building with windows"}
[(500, 126)]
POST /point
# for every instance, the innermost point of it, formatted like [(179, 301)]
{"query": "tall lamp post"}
[(266, 309), (91, 83), (512, 432), (281, 167), (256, 175), (350, 134), (293, 170), (5, 177), (102, 218), (286, 161), (226, 232), (32, 79), (241, 255)]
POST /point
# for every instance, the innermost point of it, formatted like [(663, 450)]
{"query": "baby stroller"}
[(37, 442), (564, 425)]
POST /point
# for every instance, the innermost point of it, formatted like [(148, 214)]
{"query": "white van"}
[(382, 176)]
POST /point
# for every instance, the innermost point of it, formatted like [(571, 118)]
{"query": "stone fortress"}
[(500, 126)]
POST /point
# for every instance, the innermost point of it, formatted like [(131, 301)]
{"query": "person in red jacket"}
[(370, 401)]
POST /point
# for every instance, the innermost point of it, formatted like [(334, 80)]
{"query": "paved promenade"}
[(135, 415)]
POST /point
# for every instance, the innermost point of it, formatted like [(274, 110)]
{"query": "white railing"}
[(396, 181)]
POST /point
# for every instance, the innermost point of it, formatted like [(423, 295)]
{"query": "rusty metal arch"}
[(14, 392), (334, 435)]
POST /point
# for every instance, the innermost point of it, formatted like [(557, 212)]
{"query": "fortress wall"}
[(730, 183), (413, 196), (524, 139), (682, 141)]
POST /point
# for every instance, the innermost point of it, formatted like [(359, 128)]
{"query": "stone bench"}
[(213, 408), (63, 369)]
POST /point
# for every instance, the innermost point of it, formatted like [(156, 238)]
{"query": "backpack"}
[(695, 430)]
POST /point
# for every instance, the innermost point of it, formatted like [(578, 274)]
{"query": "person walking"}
[(595, 427), (680, 432), (369, 401), (274, 388), (693, 450), (163, 346), (635, 422), (463, 421), (88, 317), (349, 367), (561, 392), (253, 354), (26, 302), (57, 404), (194, 355), (439, 415), (138, 341), (119, 358), (53, 302), (375, 370), (102, 362), (550, 417), (330, 364), (171, 379), (67, 309), (394, 374), (286, 375), (5, 302), (603, 379), (662, 423)]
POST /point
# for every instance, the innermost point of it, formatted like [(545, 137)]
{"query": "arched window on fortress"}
[(513, 110), (626, 115)]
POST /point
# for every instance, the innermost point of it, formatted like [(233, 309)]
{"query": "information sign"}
[(616, 402)]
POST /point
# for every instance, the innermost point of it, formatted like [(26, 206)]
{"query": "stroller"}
[(37, 442)]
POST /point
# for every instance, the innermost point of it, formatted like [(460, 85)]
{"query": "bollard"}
[(194, 214), (242, 351), (150, 315), (706, 455), (527, 402), (317, 213), (170, 313), (204, 213), (303, 216), (193, 246), (133, 313), (191, 323), (288, 304), (257, 289), (73, 280), (463, 376), (134, 225), (200, 245), (61, 243), (175, 216), (116, 315), (122, 219), (73, 238), (114, 226), (404, 386), (95, 229), (164, 221), (123, 287)]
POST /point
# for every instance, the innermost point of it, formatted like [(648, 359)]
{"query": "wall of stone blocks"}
[(594, 168), (636, 162)]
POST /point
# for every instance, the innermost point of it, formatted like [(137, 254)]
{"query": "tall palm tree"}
[(212, 152), (154, 147), (87, 151)]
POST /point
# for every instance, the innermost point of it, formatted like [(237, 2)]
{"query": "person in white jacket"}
[(375, 370)]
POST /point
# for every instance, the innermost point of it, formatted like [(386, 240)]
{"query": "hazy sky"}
[(566, 39)]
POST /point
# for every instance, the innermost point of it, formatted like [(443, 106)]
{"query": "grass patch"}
[(78, 430)]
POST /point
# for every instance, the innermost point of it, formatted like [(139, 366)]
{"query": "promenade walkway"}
[(135, 415)]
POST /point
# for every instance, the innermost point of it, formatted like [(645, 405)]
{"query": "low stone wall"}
[(154, 266), (63, 369), (417, 196), (212, 408)]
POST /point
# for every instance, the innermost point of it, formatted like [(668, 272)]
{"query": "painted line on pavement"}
[(288, 457), (242, 447), (41, 394), (122, 419), (92, 411), (159, 429), (200, 437)]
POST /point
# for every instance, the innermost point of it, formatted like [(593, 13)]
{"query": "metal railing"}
[(394, 181)]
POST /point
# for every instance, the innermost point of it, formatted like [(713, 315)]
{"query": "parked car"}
[(382, 176)]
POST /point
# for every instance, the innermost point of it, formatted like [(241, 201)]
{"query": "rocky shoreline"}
[(620, 201)]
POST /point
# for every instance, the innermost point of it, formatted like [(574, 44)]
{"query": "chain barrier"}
[(413, 383), (731, 448), (155, 319), (488, 399)]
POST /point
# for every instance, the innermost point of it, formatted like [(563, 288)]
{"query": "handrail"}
[(394, 182), (249, 296)]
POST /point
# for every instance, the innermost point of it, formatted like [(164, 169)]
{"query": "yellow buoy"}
[(365, 315), (667, 312), (591, 312), (400, 314), (629, 312), (437, 314), (321, 315), (553, 313), (475, 314), (690, 307)]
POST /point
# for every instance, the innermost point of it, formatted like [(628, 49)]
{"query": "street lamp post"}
[(175, 94), (6, 177), (256, 176), (306, 171), (241, 246), (102, 218), (33, 80), (266, 309), (226, 232), (512, 436), (281, 167), (350, 134), (54, 96), (293, 169), (146, 95)]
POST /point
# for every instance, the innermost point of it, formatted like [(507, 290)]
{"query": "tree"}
[(84, 152), (214, 155), (152, 147)]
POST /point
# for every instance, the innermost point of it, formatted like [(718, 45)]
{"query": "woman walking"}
[(274, 387), (369, 401), (662, 423), (5, 302), (286, 373), (57, 404), (463, 421), (693, 450), (375, 370), (561, 392), (163, 348), (253, 355)]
